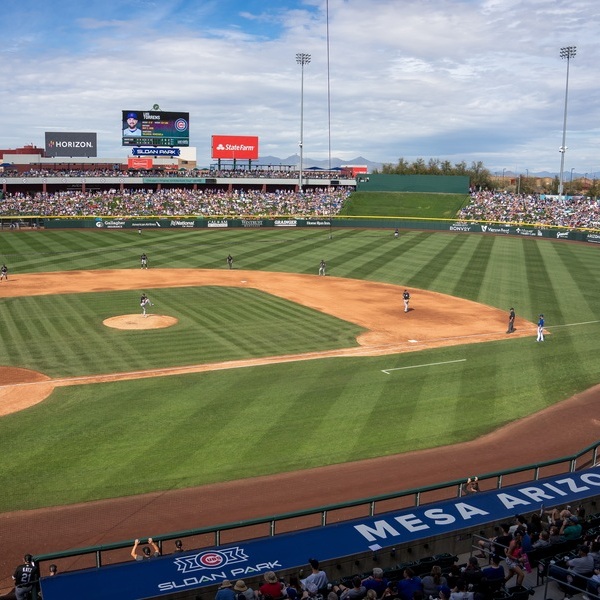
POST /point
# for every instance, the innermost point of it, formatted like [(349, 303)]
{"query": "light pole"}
[(567, 52), (302, 59)]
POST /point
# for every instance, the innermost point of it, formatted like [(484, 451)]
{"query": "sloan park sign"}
[(210, 566)]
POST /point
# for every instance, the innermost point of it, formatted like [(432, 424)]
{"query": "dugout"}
[(416, 534)]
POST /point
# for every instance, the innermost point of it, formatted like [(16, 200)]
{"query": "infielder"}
[(4, 272), (230, 261), (144, 261), (540, 329), (511, 321), (406, 298), (145, 301)]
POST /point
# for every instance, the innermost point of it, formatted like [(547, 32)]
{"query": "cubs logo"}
[(211, 559)]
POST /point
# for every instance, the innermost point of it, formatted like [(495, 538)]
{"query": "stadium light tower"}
[(302, 59), (567, 52)]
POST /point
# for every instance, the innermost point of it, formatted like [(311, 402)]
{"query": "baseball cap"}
[(132, 115)]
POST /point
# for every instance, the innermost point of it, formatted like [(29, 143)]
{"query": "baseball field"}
[(268, 368)]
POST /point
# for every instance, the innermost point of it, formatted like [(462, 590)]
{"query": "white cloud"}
[(463, 80)]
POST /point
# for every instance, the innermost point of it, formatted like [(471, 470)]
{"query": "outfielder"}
[(4, 272), (540, 329), (145, 301), (406, 298), (322, 267)]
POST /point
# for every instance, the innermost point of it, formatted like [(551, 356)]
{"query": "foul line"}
[(448, 362)]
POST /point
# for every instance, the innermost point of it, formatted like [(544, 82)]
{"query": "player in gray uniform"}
[(511, 321), (406, 298), (144, 302), (4, 272), (230, 261), (143, 261)]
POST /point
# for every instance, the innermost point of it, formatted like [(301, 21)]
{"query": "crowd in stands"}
[(508, 207), (259, 172), (176, 203)]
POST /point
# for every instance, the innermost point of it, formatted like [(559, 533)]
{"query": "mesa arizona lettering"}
[(522, 499)]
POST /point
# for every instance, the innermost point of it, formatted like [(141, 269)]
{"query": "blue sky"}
[(472, 80)]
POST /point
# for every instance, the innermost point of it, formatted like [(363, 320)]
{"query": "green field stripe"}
[(470, 281), (578, 282), (438, 261)]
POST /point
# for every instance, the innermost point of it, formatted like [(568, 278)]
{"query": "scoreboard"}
[(155, 128)]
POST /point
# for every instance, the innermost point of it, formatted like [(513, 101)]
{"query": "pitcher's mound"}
[(140, 322)]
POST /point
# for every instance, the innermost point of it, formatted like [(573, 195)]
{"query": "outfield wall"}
[(481, 227)]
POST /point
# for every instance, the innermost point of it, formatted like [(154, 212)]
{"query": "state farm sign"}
[(235, 146)]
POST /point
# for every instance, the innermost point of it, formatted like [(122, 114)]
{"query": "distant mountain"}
[(294, 161)]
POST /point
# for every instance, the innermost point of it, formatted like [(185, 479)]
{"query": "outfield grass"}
[(404, 204), (88, 442)]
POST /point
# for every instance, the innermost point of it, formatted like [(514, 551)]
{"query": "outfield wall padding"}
[(392, 223)]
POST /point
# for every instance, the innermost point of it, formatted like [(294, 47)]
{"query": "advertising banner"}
[(139, 163), (155, 128), (210, 566), (235, 147), (155, 151), (70, 144)]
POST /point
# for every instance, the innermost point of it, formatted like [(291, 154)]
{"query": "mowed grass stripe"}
[(64, 334)]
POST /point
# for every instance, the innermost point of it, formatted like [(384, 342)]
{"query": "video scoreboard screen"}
[(155, 128)]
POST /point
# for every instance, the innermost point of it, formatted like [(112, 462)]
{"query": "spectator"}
[(317, 578), (271, 588), (433, 581), (496, 544), (225, 591), (409, 584), (555, 536), (472, 574), (543, 541), (146, 552), (460, 592), (178, 546), (293, 589), (571, 528), (494, 572), (472, 486), (513, 559), (243, 592), (583, 563), (593, 586), (444, 593), (356, 592), (377, 582)]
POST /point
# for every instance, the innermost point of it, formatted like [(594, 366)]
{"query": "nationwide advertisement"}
[(71, 144), (155, 128), (235, 147)]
